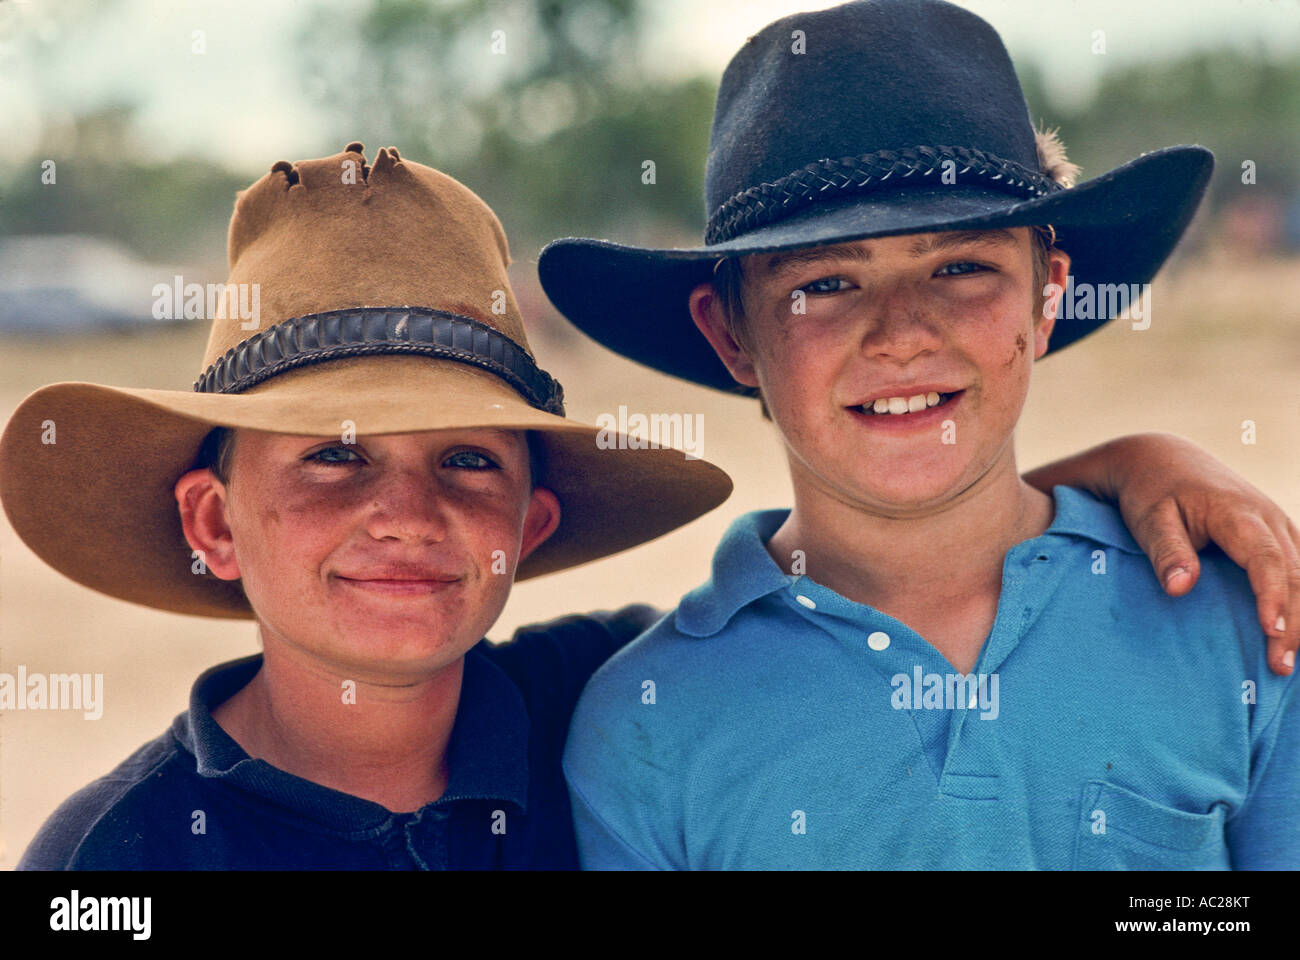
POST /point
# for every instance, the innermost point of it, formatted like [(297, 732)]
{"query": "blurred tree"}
[(543, 108), (1242, 105), (107, 186), (548, 109)]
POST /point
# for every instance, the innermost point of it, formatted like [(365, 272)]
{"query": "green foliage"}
[(1242, 106), (553, 131), (542, 109), (175, 210)]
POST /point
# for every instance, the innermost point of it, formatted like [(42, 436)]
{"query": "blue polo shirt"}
[(193, 799), (771, 723)]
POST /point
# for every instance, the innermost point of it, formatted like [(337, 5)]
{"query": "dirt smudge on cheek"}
[(1021, 343), (271, 519)]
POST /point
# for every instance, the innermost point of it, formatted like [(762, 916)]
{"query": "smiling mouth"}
[(902, 406), (400, 587)]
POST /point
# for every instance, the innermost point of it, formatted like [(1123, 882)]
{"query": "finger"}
[(1162, 534), (1291, 547), (1281, 654), (1266, 567), (1252, 544), (1283, 644)]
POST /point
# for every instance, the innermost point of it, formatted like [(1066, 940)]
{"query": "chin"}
[(400, 637), (413, 652), (911, 490)]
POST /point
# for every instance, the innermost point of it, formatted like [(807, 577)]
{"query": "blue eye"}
[(318, 458), (826, 285), (975, 268), (469, 460)]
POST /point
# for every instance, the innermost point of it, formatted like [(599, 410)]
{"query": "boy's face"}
[(378, 557), (828, 329)]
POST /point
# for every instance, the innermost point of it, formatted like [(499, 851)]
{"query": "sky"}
[(241, 90)]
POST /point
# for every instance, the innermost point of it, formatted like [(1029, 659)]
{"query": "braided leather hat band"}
[(366, 331), (830, 179)]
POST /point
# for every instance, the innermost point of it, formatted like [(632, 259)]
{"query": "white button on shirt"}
[(878, 640)]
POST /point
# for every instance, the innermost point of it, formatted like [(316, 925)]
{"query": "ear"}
[(540, 521), (1058, 271), (710, 319), (201, 498)]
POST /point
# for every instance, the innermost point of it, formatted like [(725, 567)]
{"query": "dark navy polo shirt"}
[(193, 799)]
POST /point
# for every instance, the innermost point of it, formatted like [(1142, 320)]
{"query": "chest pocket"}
[(1121, 830)]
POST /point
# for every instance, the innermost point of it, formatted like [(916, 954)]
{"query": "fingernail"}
[(1288, 658), (1280, 626), (1174, 574)]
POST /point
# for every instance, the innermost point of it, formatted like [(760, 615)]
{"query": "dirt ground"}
[(1223, 347)]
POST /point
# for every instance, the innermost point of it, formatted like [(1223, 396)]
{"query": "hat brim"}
[(97, 504), (1117, 228)]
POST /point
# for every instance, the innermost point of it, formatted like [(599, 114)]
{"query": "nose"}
[(900, 328), (406, 503)]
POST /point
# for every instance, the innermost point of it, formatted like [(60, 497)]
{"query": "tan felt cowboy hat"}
[(384, 303)]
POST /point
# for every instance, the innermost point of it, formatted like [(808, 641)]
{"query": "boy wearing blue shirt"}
[(927, 662)]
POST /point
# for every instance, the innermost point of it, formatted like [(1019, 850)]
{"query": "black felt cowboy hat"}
[(871, 119)]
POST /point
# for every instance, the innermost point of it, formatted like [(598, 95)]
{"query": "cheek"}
[(284, 528), (297, 526), (798, 358), (485, 518), (1000, 334), (492, 534)]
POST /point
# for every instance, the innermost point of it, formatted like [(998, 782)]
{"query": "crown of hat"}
[(861, 78), (336, 232)]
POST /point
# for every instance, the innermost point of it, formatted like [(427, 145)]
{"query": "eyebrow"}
[(788, 260), (957, 238), (783, 262)]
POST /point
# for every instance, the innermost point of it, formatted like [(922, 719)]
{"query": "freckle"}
[(1021, 342)]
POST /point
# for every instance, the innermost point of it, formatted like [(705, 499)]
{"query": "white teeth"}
[(897, 405)]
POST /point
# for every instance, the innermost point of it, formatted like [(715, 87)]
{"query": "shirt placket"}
[(973, 759), (425, 837), (887, 648), (961, 768)]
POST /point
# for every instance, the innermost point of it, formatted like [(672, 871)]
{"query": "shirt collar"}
[(743, 570), (487, 752), (1080, 514)]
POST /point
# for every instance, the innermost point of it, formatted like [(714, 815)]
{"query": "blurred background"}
[(154, 113)]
